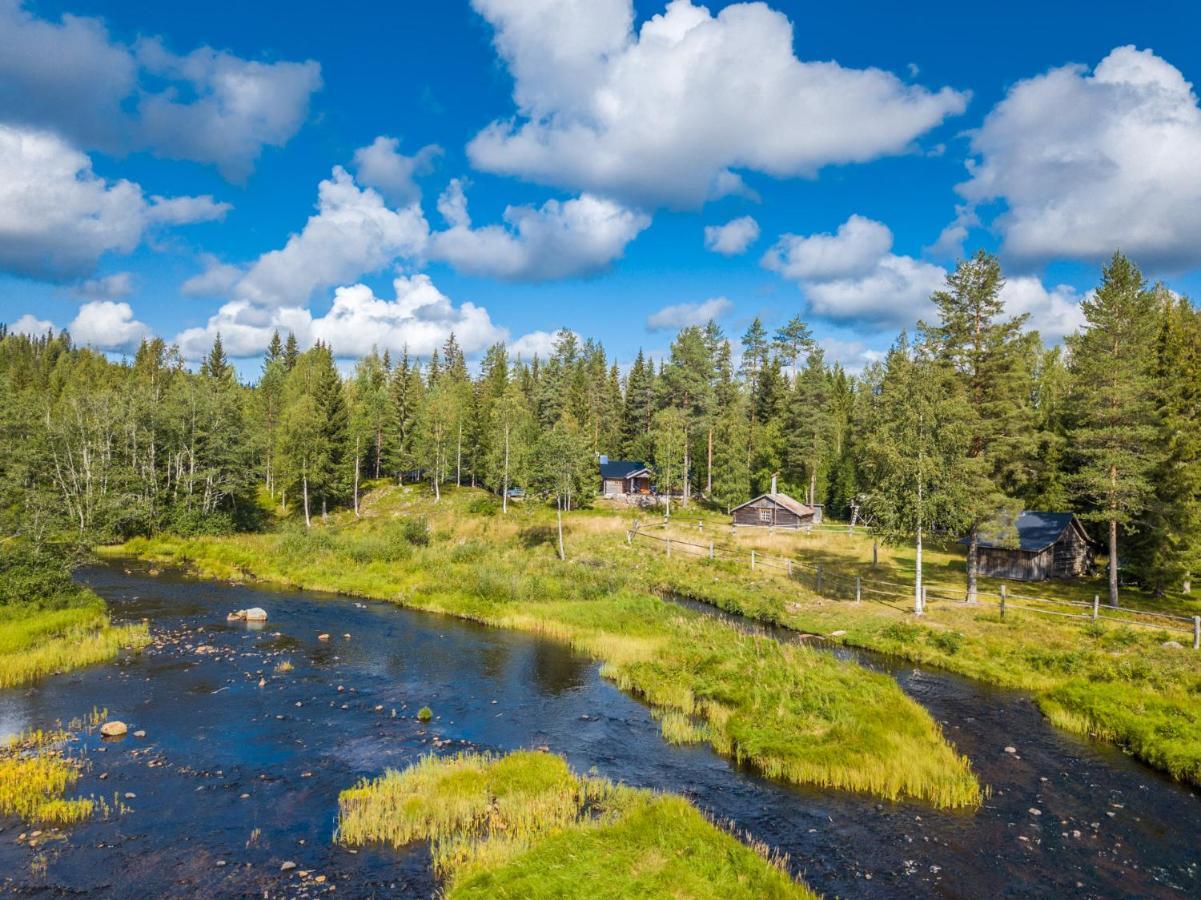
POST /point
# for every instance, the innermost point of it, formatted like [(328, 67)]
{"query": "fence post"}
[(711, 549), (875, 553), (789, 567), (752, 560), (1002, 601), (1197, 632), (1096, 606), (924, 589), (858, 588), (629, 537), (669, 547)]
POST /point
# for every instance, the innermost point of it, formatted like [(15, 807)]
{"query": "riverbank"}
[(791, 712), (526, 825), (1135, 687)]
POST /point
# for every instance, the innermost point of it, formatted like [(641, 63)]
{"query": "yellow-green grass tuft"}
[(36, 642), (35, 776)]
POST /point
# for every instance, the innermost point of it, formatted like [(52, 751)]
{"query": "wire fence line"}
[(841, 585)]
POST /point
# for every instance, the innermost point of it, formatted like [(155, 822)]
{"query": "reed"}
[(35, 775), (526, 825), (35, 643)]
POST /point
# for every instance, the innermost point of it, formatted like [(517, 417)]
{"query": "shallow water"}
[(232, 779)]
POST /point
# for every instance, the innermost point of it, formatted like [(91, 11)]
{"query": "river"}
[(232, 779)]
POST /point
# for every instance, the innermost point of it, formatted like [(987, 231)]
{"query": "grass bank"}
[(793, 713), (1111, 681), (524, 825)]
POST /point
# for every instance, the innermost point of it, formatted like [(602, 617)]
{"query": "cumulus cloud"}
[(668, 114), (108, 325), (217, 279), (681, 315), (1089, 162), (72, 78), (352, 233), (853, 275), (31, 325), (853, 355), (535, 343), (382, 166), (556, 240), (732, 238), (419, 318), (57, 217), (1054, 313), (110, 287)]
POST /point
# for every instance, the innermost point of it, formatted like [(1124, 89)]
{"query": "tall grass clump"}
[(35, 775), (526, 825)]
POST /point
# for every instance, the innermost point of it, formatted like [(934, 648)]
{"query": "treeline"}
[(965, 422)]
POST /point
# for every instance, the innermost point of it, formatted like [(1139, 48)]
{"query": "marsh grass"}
[(36, 773), (794, 713), (525, 825), (37, 642)]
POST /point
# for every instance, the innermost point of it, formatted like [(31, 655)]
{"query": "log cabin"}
[(624, 478), (773, 510), (1040, 545)]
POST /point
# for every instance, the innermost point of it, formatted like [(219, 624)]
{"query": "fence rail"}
[(837, 585)]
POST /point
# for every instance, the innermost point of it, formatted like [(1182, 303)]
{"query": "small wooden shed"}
[(1040, 545), (773, 510)]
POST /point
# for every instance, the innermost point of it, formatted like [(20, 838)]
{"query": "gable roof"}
[(621, 468), (781, 500), (1036, 531)]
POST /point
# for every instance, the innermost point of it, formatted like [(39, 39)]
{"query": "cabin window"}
[(765, 515)]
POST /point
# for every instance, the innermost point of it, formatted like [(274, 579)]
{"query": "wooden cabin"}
[(773, 510), (1040, 545), (624, 478)]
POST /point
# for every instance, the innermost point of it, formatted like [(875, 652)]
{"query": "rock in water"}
[(255, 614), (238, 616), (113, 729)]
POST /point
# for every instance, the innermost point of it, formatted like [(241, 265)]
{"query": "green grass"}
[(35, 642), (524, 825), (793, 713), (36, 773), (1111, 681)]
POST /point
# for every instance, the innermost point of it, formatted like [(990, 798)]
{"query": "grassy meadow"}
[(524, 825), (794, 713), (1106, 679)]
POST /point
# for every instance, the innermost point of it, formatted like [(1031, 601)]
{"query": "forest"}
[(965, 421)]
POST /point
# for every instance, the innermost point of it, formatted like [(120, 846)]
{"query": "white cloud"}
[(681, 315), (353, 233), (108, 325), (733, 237), (1090, 162), (666, 115), (31, 325), (419, 318), (853, 275), (557, 240), (535, 343), (70, 77), (57, 217), (853, 355), (110, 287), (216, 280), (1053, 313), (382, 166)]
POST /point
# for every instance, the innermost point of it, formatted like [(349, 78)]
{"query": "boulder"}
[(256, 614), (113, 729), (1172, 645), (323, 637)]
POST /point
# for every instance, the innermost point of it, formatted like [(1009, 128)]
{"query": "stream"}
[(233, 779)]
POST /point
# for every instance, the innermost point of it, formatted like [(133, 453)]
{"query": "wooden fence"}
[(858, 587)]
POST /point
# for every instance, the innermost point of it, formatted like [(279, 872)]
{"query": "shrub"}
[(424, 714), (416, 531), (484, 505), (949, 642)]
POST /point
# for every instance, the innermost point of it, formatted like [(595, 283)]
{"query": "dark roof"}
[(781, 500), (621, 468), (1035, 532)]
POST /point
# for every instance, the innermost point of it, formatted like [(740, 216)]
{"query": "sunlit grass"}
[(525, 825), (35, 775), (794, 713), (37, 642)]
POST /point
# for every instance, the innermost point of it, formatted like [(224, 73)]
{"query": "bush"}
[(416, 531), (39, 577), (484, 505), (188, 521), (949, 642)]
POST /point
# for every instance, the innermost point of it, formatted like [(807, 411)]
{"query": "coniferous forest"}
[(968, 417)]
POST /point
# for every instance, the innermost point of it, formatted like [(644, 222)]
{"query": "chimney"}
[(773, 484)]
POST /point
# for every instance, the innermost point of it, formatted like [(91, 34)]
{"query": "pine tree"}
[(291, 352), (1113, 395), (216, 364)]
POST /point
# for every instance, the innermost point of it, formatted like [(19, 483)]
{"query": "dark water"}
[(232, 779)]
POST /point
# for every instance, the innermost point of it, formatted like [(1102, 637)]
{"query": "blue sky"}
[(620, 137)]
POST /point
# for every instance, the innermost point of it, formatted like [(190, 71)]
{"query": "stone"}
[(1011, 749), (113, 729), (139, 733), (1172, 645), (287, 866), (323, 636), (256, 614), (838, 633)]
